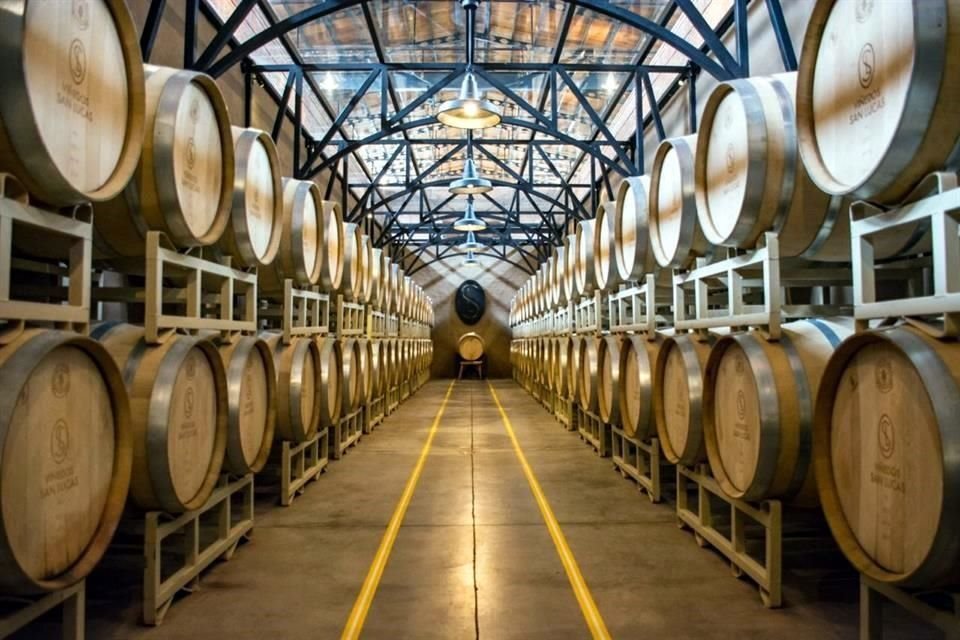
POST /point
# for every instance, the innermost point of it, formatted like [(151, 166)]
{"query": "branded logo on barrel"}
[(731, 160), (867, 65), (60, 442), (885, 436), (864, 9), (78, 61), (60, 385), (741, 405), (884, 375), (80, 11), (191, 153)]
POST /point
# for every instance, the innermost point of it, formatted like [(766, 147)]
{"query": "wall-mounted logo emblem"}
[(470, 302)]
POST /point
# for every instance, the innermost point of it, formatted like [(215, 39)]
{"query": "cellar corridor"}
[(473, 557)]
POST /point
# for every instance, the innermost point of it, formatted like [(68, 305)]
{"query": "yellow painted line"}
[(365, 598), (591, 614)]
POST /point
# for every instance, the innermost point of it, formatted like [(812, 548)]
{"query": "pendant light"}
[(471, 244), (471, 182), (471, 261), (470, 110), (469, 221)]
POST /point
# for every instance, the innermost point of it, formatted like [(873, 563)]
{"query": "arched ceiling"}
[(575, 79)]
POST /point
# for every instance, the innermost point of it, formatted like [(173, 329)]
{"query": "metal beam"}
[(150, 28)]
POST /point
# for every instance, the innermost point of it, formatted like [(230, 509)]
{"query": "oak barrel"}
[(251, 403), (298, 395), (300, 256), (675, 235), (376, 278), (65, 458), (349, 351), (678, 397), (605, 270), (351, 282), (573, 367), (178, 407), (587, 373), (758, 401), (252, 236), (886, 454), (570, 266), (877, 105), (631, 241), (330, 381), (72, 106), (585, 275), (638, 357), (560, 366), (377, 367), (470, 346), (183, 185), (364, 374), (608, 378)]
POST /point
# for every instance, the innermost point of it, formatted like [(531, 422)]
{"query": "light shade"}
[(469, 110), (471, 182), (471, 244), (469, 221), (471, 260)]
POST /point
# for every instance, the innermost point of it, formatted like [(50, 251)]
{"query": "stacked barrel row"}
[(94, 422), (855, 422)]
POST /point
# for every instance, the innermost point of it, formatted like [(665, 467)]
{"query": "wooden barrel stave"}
[(298, 395), (608, 379), (299, 256), (638, 356), (330, 382), (678, 397)]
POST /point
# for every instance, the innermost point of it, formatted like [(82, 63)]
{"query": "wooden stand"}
[(767, 573), (17, 613), (591, 315), (351, 318), (939, 609), (393, 399), (564, 409), (303, 312), (374, 413), (593, 431), (638, 460), (634, 309), (347, 432), (208, 534), (466, 364), (301, 462)]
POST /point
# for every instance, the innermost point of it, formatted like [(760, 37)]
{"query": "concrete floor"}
[(473, 558)]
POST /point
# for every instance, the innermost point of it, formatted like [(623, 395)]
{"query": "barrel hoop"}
[(827, 331), (235, 375), (791, 160), (826, 229), (691, 363), (769, 406), (757, 135), (103, 328), (805, 399), (158, 413), (296, 383)]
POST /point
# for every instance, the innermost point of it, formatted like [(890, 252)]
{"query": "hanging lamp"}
[(471, 244), (471, 260), (469, 221), (470, 110)]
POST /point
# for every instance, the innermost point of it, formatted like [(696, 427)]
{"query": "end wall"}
[(500, 282)]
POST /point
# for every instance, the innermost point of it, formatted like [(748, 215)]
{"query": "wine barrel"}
[(604, 248), (570, 268), (65, 458), (675, 235), (178, 401), (560, 277), (573, 367), (330, 382), (377, 367), (376, 278), (349, 350), (299, 257), (758, 400), (634, 258), (678, 397), (608, 378), (183, 184), (876, 95), (351, 282), (298, 395), (561, 365), (364, 381), (886, 453), (396, 281), (252, 237), (251, 403), (638, 357), (585, 275), (588, 374), (72, 107), (470, 346), (366, 269)]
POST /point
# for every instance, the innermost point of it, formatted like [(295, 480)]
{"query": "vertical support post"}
[(190, 33), (150, 28), (298, 123), (692, 100), (743, 43), (248, 99), (638, 134)]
